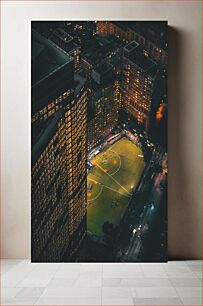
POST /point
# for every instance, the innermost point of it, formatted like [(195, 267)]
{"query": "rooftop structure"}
[(135, 54), (46, 58), (101, 48)]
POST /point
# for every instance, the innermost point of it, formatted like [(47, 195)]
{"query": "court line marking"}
[(119, 161), (102, 186), (110, 175), (94, 181), (119, 158), (96, 164), (95, 198), (123, 194)]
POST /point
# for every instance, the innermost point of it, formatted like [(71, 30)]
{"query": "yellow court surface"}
[(111, 181)]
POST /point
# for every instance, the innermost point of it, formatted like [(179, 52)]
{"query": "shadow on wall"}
[(184, 205)]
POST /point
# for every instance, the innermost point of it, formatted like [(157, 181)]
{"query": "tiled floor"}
[(173, 283)]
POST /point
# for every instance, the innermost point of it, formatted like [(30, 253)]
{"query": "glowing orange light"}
[(89, 194), (160, 112), (115, 162)]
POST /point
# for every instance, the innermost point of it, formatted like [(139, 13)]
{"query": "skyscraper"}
[(104, 103), (140, 75), (151, 35), (66, 42), (59, 143)]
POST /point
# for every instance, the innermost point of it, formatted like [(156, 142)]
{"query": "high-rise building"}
[(59, 146), (151, 35), (102, 49), (102, 64), (104, 103), (66, 42), (139, 80)]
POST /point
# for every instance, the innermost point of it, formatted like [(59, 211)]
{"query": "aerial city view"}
[(99, 141)]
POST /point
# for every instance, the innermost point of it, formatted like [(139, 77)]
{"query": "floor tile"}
[(69, 301), (178, 274), (97, 282), (90, 275), (189, 291), (30, 292), (11, 261), (66, 274), (193, 262), (61, 282), (122, 268), (116, 292), (192, 301), (37, 279), (12, 281), (117, 301), (153, 292), (6, 268), (148, 282), (51, 267), (70, 268), (176, 263), (177, 268), (196, 268), (74, 292), (158, 301), (22, 301), (153, 268), (173, 283), (155, 274), (185, 282), (122, 274), (113, 282), (9, 292), (198, 274), (87, 267)]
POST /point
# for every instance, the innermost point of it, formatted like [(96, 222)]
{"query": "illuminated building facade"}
[(104, 104), (148, 34), (140, 75), (59, 145), (101, 62)]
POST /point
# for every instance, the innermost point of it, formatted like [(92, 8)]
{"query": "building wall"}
[(59, 182), (106, 28), (184, 113), (105, 104), (59, 148), (138, 92)]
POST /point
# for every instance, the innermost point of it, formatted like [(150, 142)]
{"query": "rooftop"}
[(103, 68), (101, 47), (136, 56), (63, 35), (46, 58), (154, 31), (142, 61), (102, 74), (131, 46)]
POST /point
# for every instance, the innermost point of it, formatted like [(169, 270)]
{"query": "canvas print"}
[(99, 141)]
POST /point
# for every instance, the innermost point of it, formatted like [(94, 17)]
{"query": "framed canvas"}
[(99, 141)]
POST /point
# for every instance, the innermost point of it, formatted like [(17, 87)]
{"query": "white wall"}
[(185, 112)]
